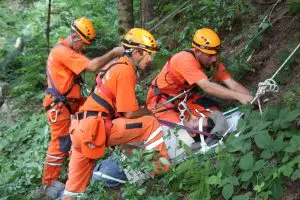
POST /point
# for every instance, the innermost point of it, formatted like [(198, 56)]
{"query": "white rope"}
[(269, 85), (285, 61)]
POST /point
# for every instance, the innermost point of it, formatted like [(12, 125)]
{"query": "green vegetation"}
[(254, 165)]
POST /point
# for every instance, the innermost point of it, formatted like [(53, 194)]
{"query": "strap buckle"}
[(53, 120)]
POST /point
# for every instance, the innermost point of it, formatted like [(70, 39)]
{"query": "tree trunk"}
[(146, 12), (125, 8), (48, 26)]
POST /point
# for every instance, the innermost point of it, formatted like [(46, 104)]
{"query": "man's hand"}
[(118, 51), (99, 62), (139, 113), (245, 98)]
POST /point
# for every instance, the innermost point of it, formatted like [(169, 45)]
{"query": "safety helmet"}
[(140, 38), (85, 29), (207, 41)]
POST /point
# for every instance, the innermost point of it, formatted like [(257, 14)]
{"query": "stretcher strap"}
[(154, 134), (154, 144), (201, 124)]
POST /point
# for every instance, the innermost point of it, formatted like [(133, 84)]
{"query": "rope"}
[(178, 10), (294, 51), (269, 85)]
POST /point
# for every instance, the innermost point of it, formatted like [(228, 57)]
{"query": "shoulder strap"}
[(104, 103), (105, 90), (190, 51), (53, 89), (106, 70)]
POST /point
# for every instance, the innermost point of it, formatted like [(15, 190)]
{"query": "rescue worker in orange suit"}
[(63, 96), (111, 116), (186, 70)]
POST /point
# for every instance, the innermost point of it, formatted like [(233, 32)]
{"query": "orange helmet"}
[(207, 41), (140, 38), (85, 29)]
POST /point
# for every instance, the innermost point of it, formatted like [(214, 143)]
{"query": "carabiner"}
[(53, 120)]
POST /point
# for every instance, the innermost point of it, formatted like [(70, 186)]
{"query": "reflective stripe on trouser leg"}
[(156, 141), (75, 195), (57, 150)]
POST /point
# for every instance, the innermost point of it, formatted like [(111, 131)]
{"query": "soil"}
[(282, 35)]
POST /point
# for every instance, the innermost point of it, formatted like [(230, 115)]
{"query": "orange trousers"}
[(123, 131), (59, 145)]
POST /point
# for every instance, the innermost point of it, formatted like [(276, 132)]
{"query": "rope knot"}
[(269, 85)]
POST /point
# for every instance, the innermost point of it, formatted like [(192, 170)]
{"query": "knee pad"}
[(64, 143)]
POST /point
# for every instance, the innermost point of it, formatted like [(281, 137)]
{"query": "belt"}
[(80, 115)]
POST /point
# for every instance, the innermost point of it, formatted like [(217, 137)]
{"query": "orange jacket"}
[(64, 65)]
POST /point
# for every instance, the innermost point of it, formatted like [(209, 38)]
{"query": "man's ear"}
[(74, 36)]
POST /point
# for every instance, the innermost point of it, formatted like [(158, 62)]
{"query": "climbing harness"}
[(60, 98)]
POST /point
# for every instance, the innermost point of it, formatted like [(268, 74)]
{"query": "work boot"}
[(54, 190)]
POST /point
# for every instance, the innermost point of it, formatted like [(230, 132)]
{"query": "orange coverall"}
[(88, 134), (187, 70), (64, 66)]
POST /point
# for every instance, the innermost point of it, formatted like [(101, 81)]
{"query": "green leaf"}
[(291, 116), (187, 149), (270, 114), (141, 191), (227, 191), (296, 175), (294, 145), (259, 164), (298, 105), (234, 144), (276, 189), (262, 125), (283, 113), (247, 175), (164, 161), (287, 171), (242, 196), (278, 144), (246, 161), (263, 140), (285, 157), (213, 180), (266, 154), (232, 180)]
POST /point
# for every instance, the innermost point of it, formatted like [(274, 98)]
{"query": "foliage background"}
[(256, 165)]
